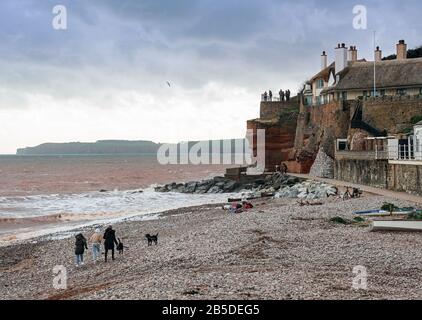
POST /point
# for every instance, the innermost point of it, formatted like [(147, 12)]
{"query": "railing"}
[(272, 99), (387, 98), (400, 152), (362, 155), (405, 152)]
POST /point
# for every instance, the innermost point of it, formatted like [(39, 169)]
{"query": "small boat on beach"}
[(383, 213), (396, 225)]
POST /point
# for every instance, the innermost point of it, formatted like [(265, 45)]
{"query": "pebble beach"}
[(277, 250)]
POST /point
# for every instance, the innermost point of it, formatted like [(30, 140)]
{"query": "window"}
[(341, 145), (320, 83), (318, 100), (382, 92), (344, 95), (308, 101), (401, 92), (420, 91)]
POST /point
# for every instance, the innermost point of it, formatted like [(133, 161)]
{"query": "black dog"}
[(151, 239), (120, 247)]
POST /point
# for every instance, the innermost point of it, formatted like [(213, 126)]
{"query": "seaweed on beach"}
[(416, 215), (345, 221), (389, 207), (341, 220)]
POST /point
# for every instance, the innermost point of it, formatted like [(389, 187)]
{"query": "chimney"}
[(401, 50), (323, 60), (378, 54), (341, 57), (353, 54)]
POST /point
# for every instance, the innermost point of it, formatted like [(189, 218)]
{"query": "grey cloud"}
[(117, 45)]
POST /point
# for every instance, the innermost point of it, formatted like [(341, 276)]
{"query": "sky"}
[(105, 76)]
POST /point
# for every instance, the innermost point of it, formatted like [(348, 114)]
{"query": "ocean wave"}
[(22, 217)]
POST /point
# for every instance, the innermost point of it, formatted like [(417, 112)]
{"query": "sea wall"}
[(405, 177), (367, 172), (400, 176)]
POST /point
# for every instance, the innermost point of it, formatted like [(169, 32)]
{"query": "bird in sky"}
[(168, 83)]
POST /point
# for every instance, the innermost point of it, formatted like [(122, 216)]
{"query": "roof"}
[(389, 74), (324, 73)]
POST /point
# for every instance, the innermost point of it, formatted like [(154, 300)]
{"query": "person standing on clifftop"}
[(281, 93), (288, 95), (270, 95), (265, 96)]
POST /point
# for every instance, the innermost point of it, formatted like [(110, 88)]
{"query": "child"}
[(96, 239), (80, 246)]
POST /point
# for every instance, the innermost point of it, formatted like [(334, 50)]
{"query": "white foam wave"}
[(79, 210)]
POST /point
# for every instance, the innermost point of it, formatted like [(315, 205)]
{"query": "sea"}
[(49, 195)]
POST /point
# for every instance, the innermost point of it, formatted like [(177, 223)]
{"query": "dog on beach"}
[(151, 239), (120, 247)]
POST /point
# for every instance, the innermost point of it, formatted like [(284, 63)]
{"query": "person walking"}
[(96, 239), (110, 241), (80, 246)]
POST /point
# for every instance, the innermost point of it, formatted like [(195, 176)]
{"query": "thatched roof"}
[(389, 74), (324, 73)]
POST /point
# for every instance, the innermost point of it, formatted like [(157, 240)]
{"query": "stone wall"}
[(272, 109), (405, 177), (367, 172), (392, 113), (381, 174), (323, 166)]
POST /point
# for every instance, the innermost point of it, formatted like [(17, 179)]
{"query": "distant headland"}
[(105, 147)]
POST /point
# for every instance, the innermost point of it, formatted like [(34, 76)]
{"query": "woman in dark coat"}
[(110, 240), (80, 246)]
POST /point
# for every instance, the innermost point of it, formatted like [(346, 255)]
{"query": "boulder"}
[(215, 189), (230, 186), (190, 187), (204, 186)]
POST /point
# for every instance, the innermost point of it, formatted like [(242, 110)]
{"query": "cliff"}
[(279, 120)]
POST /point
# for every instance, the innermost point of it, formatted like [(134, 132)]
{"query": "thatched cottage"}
[(349, 78)]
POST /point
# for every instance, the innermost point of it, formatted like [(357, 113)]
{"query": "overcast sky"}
[(105, 76)]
